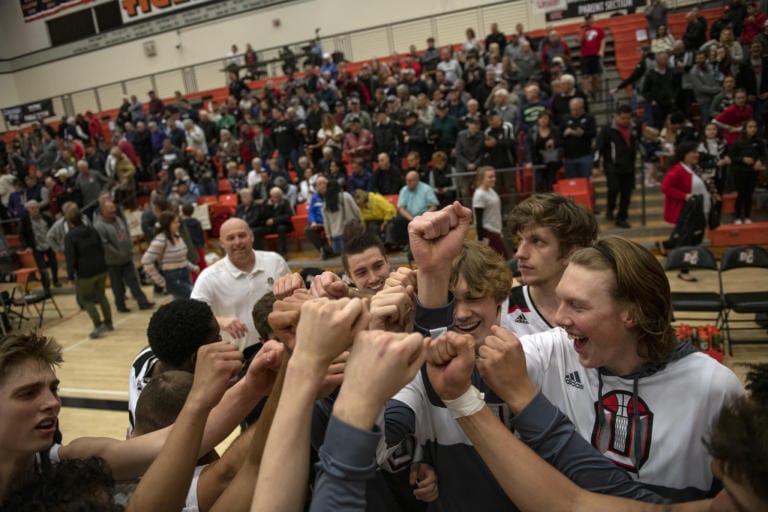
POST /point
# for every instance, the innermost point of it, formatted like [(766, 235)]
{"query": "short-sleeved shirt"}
[(591, 39), (489, 202), (417, 201), (232, 293)]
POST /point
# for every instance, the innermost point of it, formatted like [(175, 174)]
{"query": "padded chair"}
[(743, 302), (699, 258)]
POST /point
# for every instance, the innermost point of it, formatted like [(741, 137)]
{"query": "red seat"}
[(579, 189), (392, 198), (228, 200), (302, 208), (224, 186), (208, 200)]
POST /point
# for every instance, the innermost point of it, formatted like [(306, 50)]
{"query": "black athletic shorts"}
[(591, 65)]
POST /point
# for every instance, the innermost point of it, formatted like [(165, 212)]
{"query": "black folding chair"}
[(743, 302), (699, 258)]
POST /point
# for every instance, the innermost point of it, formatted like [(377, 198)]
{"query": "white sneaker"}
[(737, 221), (747, 221)]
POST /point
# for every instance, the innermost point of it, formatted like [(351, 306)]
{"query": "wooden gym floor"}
[(94, 375)]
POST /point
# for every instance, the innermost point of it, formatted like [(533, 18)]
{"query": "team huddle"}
[(441, 388)]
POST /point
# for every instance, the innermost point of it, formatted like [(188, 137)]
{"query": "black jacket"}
[(26, 233), (387, 182), (84, 252), (386, 138), (281, 213), (661, 87), (617, 156), (753, 148), (573, 146)]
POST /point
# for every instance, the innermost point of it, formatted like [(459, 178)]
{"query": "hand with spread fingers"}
[(287, 284), (450, 360), (501, 363), (233, 326)]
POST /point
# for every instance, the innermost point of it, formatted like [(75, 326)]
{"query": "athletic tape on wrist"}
[(471, 402)]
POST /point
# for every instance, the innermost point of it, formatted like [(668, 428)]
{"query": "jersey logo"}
[(521, 319), (618, 434), (573, 379)]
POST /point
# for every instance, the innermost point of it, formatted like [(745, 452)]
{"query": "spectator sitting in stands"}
[(275, 218), (183, 194), (415, 199), (358, 143), (445, 128), (361, 178), (470, 148), (436, 176), (531, 108), (236, 177), (387, 177), (376, 211)]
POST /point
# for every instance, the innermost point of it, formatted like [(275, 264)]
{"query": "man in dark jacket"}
[(660, 90), (275, 218), (579, 130), (617, 147), (415, 136), (470, 147), (387, 179), (696, 30), (386, 135)]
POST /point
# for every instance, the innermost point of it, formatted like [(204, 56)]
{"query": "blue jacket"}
[(315, 210), (363, 181)]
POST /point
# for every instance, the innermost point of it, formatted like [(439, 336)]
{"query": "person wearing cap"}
[(415, 136), (329, 66), (445, 128), (436, 175), (358, 143), (356, 112), (469, 151)]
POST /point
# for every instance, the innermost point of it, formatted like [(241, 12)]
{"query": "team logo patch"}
[(620, 436)]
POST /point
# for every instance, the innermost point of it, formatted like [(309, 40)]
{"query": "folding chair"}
[(30, 299), (743, 302), (700, 258)]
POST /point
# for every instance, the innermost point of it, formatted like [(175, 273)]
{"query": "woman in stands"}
[(339, 211), (329, 135), (165, 260), (663, 42), (487, 208), (683, 181), (543, 151), (748, 157)]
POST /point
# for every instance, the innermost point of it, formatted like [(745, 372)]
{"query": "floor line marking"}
[(88, 338), (108, 392)]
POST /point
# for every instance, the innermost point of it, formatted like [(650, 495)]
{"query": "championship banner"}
[(545, 6), (28, 113), (37, 9), (136, 10), (580, 8)]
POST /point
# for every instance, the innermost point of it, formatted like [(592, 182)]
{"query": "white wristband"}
[(471, 402)]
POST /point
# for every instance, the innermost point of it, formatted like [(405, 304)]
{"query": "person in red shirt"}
[(732, 119), (592, 50), (94, 128), (753, 24)]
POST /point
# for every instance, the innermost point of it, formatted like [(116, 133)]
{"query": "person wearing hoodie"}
[(613, 367)]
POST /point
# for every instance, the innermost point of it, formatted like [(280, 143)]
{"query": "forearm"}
[(284, 470), (529, 481), (236, 403), (166, 483)]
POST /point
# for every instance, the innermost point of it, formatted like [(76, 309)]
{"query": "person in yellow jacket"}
[(376, 211)]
